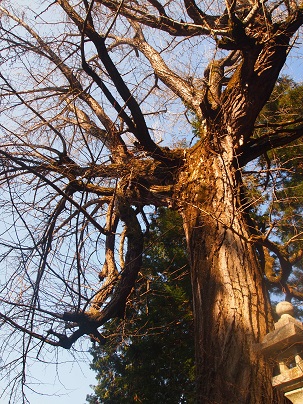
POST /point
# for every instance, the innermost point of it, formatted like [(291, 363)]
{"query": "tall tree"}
[(132, 366), (88, 89), (149, 357)]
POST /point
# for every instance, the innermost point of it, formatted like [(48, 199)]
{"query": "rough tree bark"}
[(231, 306)]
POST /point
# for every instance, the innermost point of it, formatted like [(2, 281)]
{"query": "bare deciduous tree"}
[(89, 90)]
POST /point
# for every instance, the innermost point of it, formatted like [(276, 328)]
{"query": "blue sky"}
[(67, 382), (70, 385)]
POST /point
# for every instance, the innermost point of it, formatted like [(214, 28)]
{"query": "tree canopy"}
[(97, 105)]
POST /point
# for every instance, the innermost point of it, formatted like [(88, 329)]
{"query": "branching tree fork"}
[(84, 86)]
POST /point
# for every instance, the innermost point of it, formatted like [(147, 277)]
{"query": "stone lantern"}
[(284, 347)]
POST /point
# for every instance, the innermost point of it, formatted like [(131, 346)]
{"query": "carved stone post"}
[(284, 347)]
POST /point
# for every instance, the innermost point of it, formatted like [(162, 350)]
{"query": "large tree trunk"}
[(231, 306)]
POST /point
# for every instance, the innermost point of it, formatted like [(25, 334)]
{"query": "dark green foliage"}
[(279, 213), (286, 163), (149, 356), (285, 103)]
